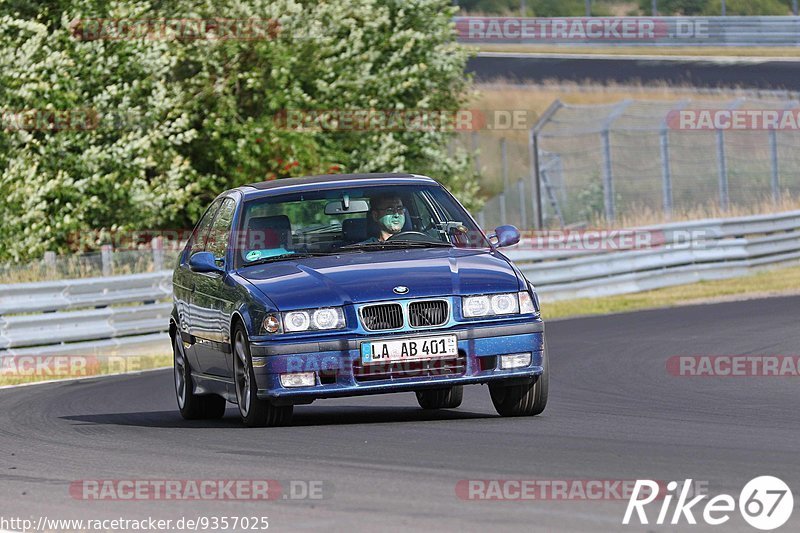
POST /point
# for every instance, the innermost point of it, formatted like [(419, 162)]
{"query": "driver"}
[(387, 212)]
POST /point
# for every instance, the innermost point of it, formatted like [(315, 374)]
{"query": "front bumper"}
[(337, 362)]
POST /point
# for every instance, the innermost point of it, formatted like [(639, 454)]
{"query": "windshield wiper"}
[(283, 257), (397, 244)]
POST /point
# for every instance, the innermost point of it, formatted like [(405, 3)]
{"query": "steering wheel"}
[(416, 236)]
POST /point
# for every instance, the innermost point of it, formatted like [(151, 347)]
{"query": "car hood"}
[(371, 276)]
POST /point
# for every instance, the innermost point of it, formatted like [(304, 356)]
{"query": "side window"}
[(221, 229), (424, 218), (198, 242)]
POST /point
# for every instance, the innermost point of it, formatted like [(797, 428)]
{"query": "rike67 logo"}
[(765, 503)]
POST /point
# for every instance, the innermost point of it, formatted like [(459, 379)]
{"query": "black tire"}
[(192, 406), (448, 398), (528, 399), (254, 411)]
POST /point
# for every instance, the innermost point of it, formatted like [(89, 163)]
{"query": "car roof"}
[(327, 181)]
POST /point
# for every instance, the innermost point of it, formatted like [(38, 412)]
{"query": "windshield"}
[(351, 220)]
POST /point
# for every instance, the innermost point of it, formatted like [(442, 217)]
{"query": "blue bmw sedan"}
[(300, 289)]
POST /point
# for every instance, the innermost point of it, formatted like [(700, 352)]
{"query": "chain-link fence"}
[(638, 160)]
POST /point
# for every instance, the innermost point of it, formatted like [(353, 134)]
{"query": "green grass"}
[(775, 282)]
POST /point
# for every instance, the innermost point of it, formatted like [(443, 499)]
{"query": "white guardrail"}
[(118, 313), (85, 315), (685, 252)]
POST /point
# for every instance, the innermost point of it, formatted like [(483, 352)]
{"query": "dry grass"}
[(774, 282), (646, 217), (78, 266), (15, 370), (537, 98)]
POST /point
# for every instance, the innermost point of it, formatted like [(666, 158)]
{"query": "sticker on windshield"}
[(253, 255)]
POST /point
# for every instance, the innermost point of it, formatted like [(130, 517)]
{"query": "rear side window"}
[(220, 232), (200, 235)]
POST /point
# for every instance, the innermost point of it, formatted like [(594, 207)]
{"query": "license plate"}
[(418, 349)]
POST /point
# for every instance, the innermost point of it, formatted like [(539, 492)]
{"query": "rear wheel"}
[(448, 398), (254, 411), (528, 399), (192, 406)]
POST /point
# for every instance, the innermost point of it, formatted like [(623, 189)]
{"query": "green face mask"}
[(392, 223)]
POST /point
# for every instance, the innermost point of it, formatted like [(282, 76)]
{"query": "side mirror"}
[(204, 262), (505, 236)]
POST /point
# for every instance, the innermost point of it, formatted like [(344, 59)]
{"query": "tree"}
[(676, 7), (169, 123)]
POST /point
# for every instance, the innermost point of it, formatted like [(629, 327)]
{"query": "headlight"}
[(505, 304), (498, 304), (476, 306), (296, 321), (313, 319)]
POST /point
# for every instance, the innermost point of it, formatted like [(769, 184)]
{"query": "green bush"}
[(676, 7), (173, 122)]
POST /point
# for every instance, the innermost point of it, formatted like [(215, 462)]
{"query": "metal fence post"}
[(533, 160), (666, 173), (523, 216), (504, 167), (608, 178), (773, 153), (533, 149), (157, 244), (105, 256), (475, 153), (723, 171), (50, 262)]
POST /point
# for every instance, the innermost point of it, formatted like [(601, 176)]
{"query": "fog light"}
[(515, 360), (299, 379)]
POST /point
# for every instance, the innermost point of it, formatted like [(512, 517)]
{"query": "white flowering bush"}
[(135, 133)]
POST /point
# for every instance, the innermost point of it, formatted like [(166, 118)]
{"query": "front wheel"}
[(254, 411), (192, 406), (448, 398), (528, 399)]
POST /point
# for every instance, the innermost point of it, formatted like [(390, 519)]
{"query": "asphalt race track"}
[(614, 413), (729, 72)]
